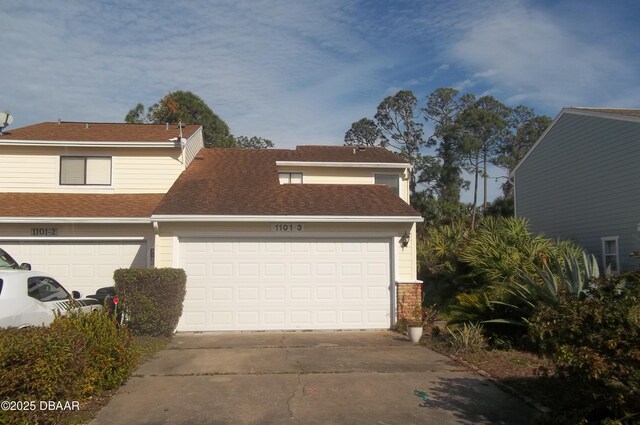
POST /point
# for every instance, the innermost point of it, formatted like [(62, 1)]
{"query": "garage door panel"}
[(81, 266), (274, 284), (275, 294)]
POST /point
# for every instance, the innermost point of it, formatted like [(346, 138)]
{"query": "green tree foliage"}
[(396, 126), (594, 343), (253, 142), (501, 207), (443, 107), (399, 129), (484, 125), (188, 108), (468, 134), (363, 133)]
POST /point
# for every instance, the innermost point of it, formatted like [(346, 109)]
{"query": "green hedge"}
[(76, 357), (151, 298), (594, 343)]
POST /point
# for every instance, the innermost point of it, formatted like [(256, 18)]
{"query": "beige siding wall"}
[(37, 169), (343, 175), (404, 261)]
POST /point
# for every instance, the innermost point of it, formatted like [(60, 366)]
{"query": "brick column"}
[(409, 294)]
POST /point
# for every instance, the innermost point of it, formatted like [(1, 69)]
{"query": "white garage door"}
[(277, 284), (80, 266)]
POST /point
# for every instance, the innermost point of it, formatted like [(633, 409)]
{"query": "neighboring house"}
[(580, 181), (311, 238)]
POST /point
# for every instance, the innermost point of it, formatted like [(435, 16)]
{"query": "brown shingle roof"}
[(78, 205), (98, 132), (245, 182)]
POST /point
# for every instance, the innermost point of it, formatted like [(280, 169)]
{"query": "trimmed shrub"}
[(151, 298), (107, 346), (77, 356), (595, 343)]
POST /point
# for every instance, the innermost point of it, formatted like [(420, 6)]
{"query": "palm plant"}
[(570, 274)]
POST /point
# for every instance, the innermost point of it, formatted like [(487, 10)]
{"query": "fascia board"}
[(62, 220), (397, 165), (89, 144), (72, 238), (288, 218)]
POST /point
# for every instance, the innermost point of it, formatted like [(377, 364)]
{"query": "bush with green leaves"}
[(108, 348), (151, 298), (75, 357), (483, 267), (594, 341), (502, 249)]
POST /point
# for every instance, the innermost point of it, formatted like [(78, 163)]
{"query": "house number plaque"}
[(287, 227), (44, 231)]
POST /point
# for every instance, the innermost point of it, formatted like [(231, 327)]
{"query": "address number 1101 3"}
[(287, 227)]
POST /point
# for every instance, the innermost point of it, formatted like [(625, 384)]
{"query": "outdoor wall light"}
[(404, 240)]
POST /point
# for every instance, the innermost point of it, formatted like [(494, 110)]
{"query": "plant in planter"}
[(419, 319), (415, 323)]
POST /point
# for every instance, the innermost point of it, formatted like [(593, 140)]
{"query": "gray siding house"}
[(581, 181)]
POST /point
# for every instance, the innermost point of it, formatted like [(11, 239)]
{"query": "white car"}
[(31, 298)]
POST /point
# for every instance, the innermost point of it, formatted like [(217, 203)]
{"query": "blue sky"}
[(300, 72)]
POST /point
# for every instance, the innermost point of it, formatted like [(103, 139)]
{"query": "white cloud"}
[(298, 71), (537, 57)]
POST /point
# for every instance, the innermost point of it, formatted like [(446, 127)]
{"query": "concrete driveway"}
[(307, 378)]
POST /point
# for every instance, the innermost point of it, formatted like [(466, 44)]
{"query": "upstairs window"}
[(610, 257), (390, 180), (85, 170), (290, 178)]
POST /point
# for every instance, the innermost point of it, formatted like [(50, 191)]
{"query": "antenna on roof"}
[(5, 120)]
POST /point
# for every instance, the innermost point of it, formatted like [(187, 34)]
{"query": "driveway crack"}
[(299, 386)]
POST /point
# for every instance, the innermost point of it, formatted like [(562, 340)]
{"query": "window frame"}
[(290, 174), (392, 175), (604, 241), (86, 158)]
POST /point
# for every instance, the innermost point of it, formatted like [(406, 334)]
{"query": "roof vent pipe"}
[(86, 125), (166, 126), (59, 120)]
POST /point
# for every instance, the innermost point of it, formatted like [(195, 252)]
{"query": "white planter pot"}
[(415, 333)]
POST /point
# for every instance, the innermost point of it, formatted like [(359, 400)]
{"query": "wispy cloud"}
[(534, 56), (302, 71)]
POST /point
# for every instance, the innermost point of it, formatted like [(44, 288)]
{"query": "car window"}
[(46, 289), (0, 286), (6, 262)]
